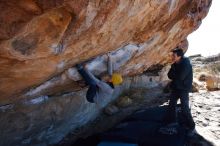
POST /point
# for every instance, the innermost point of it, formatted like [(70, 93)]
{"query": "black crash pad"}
[(142, 128)]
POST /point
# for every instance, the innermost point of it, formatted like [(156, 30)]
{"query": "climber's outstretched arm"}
[(109, 65)]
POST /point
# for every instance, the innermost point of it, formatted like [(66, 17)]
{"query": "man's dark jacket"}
[(181, 75)]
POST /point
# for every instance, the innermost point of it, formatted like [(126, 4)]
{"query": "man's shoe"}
[(169, 129)]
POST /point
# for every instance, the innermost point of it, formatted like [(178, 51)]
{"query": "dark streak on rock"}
[(26, 45)]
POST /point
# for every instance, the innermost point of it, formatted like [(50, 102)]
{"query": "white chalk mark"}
[(172, 5), (37, 100)]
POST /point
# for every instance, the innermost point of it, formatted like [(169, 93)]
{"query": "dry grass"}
[(216, 68)]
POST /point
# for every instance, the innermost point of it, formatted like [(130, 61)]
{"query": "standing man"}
[(181, 75)]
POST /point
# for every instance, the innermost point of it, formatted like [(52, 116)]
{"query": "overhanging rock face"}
[(42, 40)]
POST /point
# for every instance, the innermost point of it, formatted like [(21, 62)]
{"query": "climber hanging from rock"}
[(100, 92)]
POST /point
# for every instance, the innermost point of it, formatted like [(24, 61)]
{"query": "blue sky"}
[(206, 39)]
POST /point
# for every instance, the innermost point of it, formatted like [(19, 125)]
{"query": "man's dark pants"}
[(92, 85), (185, 110)]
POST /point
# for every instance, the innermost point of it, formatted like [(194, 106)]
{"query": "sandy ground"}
[(206, 113), (206, 104)]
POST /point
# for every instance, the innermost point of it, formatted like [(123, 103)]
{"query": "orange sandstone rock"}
[(41, 39)]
